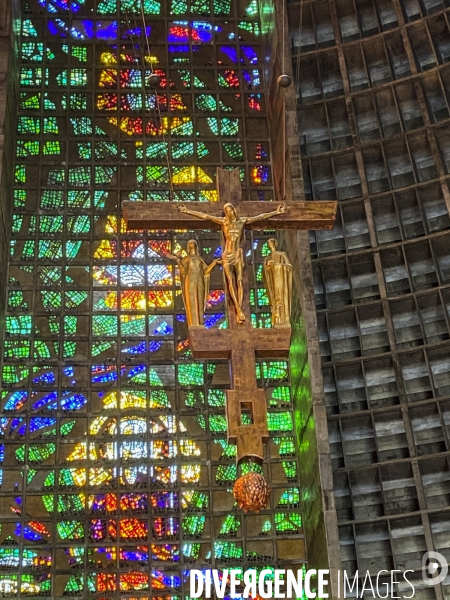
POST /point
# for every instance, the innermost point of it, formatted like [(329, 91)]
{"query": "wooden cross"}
[(239, 343)]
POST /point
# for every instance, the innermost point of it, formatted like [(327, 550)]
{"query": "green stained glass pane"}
[(70, 324), (234, 150), (51, 300), (190, 374), (273, 370), (104, 325), (221, 7), (80, 176), (104, 174), (20, 197), (133, 325), (50, 249), (216, 398), (52, 200), (280, 421), (185, 77), (28, 102), (79, 199), (74, 298), (56, 177), (193, 526), (28, 148), (20, 174), (185, 128), (84, 150), (282, 394), (12, 375), (69, 349), (17, 221), (290, 498), (206, 102), (150, 7), (225, 126), (37, 454), (159, 174), (51, 147), (198, 83), (81, 125), (77, 102), (224, 108), (54, 325), (156, 150), (33, 51), (50, 275), (100, 199), (213, 125), (228, 551), (105, 150), (62, 79), (70, 502), (29, 125), (16, 300), (263, 299), (75, 585), (290, 468), (80, 52), (51, 224), (31, 76), (107, 7), (48, 104), (202, 149), (253, 28), (226, 474), (200, 7), (18, 325), (287, 446), (50, 125), (182, 150), (75, 77), (191, 551), (229, 450), (79, 225), (199, 501), (252, 8), (229, 127), (70, 530), (230, 526), (14, 350), (41, 350), (158, 399), (28, 29), (217, 424), (178, 7), (99, 347)]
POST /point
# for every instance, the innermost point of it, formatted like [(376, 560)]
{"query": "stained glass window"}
[(108, 425)]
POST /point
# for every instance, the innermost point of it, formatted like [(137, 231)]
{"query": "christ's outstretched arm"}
[(263, 216), (200, 215)]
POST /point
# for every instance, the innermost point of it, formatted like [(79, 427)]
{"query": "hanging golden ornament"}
[(251, 492)]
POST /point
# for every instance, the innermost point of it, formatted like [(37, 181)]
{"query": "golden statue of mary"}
[(194, 276)]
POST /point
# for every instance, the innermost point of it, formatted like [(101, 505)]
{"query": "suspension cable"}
[(157, 103)]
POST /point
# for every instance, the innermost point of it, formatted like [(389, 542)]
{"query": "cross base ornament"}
[(240, 343)]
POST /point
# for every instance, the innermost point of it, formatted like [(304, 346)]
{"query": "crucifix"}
[(240, 343)]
